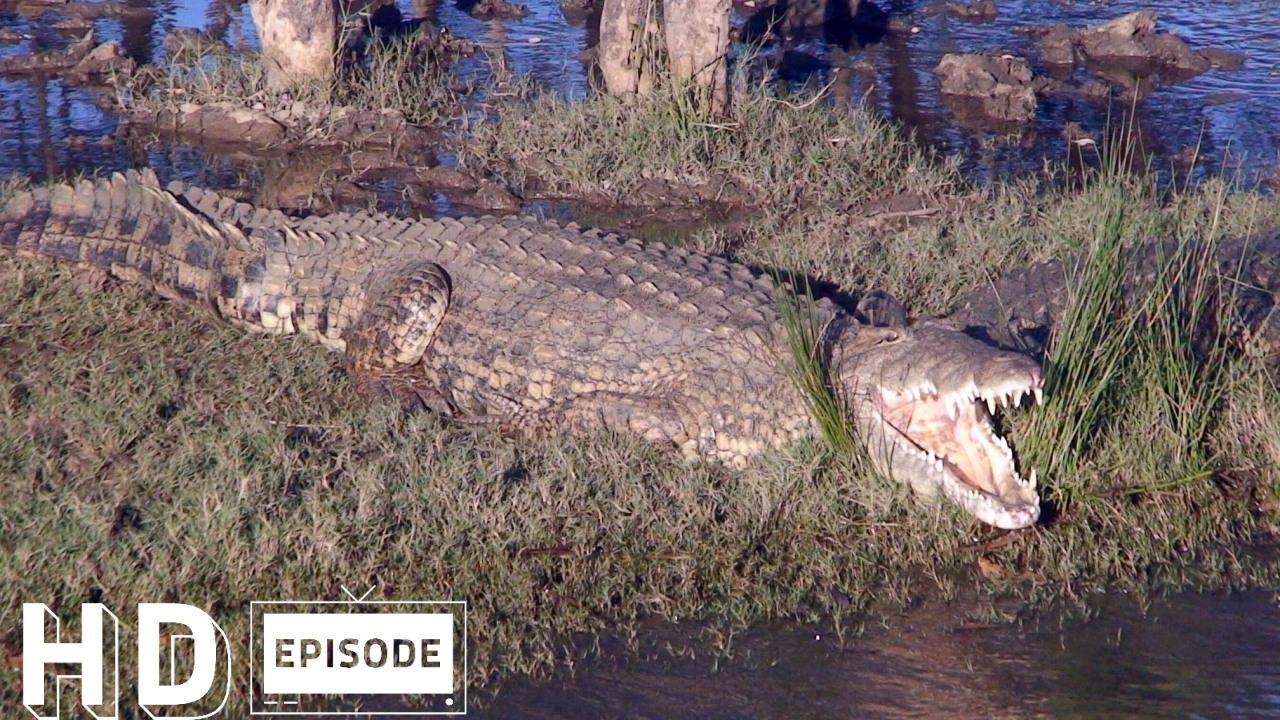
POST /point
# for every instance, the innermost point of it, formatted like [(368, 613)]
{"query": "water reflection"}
[(1190, 656), (1232, 117)]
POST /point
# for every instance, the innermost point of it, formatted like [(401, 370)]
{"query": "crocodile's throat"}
[(953, 437)]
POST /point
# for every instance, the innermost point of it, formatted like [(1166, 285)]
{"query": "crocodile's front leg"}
[(387, 342)]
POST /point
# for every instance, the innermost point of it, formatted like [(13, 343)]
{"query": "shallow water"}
[(1189, 656), (1234, 117), (1240, 127)]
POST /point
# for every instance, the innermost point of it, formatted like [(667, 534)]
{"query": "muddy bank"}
[(988, 87)]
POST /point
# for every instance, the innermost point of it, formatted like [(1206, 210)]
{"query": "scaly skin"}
[(544, 328), (1020, 310)]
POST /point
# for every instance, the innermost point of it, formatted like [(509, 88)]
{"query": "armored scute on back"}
[(546, 328)]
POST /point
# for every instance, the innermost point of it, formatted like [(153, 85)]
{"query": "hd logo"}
[(312, 658)]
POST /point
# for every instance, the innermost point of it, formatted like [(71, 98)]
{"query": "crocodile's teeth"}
[(1039, 395), (937, 464), (991, 405), (1004, 446), (1031, 481)]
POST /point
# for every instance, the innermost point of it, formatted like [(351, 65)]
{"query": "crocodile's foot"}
[(951, 439), (409, 395)]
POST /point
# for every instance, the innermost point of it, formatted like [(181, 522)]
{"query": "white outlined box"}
[(305, 653)]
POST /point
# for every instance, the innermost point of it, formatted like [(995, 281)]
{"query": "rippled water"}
[(1233, 116), (1190, 656), (1244, 117)]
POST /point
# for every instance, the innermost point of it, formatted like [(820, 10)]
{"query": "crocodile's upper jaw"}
[(925, 400)]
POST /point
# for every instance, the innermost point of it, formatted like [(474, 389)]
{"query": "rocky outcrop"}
[(997, 86), (493, 9), (103, 62), (976, 11), (1134, 37), (49, 62), (1131, 40)]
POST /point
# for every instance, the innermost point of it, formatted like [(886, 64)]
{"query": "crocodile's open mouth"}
[(953, 436)]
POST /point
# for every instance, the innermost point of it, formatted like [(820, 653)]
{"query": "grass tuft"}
[(809, 369), (773, 149), (1135, 380), (1088, 360), (407, 73)]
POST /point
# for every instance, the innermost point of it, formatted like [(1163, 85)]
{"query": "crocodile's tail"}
[(184, 243), (127, 225)]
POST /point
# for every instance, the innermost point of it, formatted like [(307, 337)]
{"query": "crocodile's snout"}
[(927, 400)]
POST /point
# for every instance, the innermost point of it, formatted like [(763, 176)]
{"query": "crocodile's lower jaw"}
[(950, 443)]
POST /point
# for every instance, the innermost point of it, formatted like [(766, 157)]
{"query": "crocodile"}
[(547, 328), (1020, 310)]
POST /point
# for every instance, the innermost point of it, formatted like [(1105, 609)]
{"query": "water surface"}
[(1233, 117), (1188, 656)]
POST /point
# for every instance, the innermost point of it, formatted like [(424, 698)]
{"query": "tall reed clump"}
[(405, 73), (1138, 358)]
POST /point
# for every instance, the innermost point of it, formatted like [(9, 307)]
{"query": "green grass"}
[(404, 74), (770, 150), (1089, 361), (1147, 372), (146, 455), (809, 369), (132, 431)]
